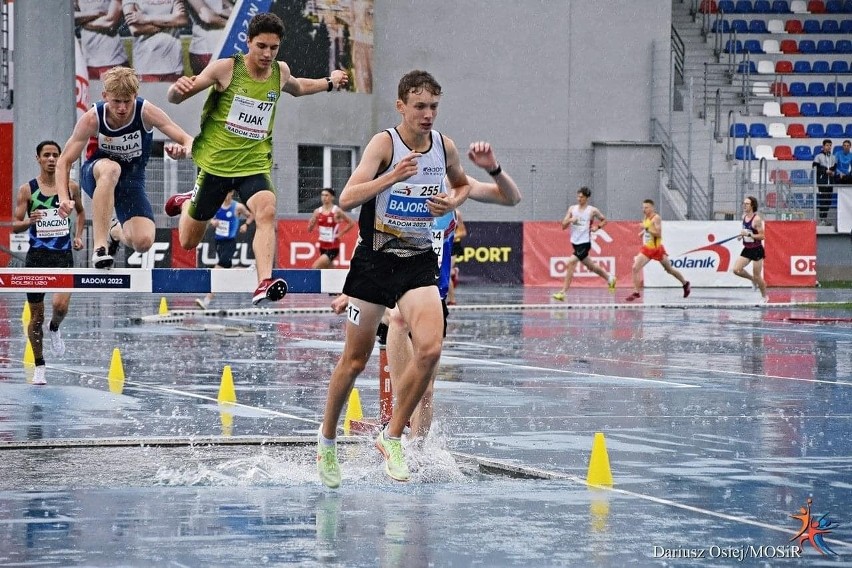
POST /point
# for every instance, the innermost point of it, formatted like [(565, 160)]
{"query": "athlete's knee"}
[(265, 214), (428, 354), (142, 243), (107, 172), (354, 365)]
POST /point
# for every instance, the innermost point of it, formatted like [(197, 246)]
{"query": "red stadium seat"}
[(789, 46), (793, 26), (783, 66), (783, 152), (790, 109), (779, 89), (816, 7), (796, 130)]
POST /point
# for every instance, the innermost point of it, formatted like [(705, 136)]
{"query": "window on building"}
[(319, 167)]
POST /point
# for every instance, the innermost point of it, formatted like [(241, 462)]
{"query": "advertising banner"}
[(791, 248), (547, 248), (297, 248), (491, 254), (703, 251)]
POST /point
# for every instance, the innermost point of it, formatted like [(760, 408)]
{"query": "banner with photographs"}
[(166, 39)]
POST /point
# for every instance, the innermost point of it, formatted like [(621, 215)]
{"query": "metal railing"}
[(698, 200), (5, 56)]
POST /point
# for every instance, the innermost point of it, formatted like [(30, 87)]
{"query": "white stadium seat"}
[(771, 108)]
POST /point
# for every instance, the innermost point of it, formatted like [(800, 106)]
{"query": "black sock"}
[(54, 327), (39, 362)]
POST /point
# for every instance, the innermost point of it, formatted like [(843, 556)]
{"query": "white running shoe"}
[(202, 303), (57, 346), (38, 376)]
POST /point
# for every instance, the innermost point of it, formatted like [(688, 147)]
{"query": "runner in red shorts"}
[(652, 249)]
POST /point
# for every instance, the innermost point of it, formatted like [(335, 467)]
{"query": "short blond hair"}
[(121, 82)]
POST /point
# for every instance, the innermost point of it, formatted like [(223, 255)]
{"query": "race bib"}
[(223, 228), (52, 225), (326, 234), (249, 118), (405, 210), (124, 147), (438, 243)]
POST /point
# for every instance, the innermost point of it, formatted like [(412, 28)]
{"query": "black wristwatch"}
[(330, 84)]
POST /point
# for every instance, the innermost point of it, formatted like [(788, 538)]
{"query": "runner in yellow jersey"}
[(653, 249), (234, 149)]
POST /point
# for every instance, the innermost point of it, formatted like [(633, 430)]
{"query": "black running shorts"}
[(382, 278), (47, 258)]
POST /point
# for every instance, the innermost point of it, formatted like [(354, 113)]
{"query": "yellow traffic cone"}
[(353, 411), (599, 472), (164, 307), (115, 378), (227, 420), (29, 356), (226, 388), (25, 315)]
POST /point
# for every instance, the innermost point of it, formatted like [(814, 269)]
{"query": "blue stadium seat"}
[(780, 7), (747, 67), (732, 46), (817, 149), (843, 46), (847, 7), (739, 26), (802, 66), (808, 109), (758, 27), (758, 130), (726, 6), (743, 7), (848, 90), (839, 66), (744, 153), (803, 153), (827, 109), (820, 66), (824, 46), (738, 130), (798, 89), (815, 130), (816, 89), (847, 132), (833, 7), (807, 46), (761, 7), (846, 27), (721, 26), (830, 26), (844, 109), (800, 176), (834, 130), (834, 90), (810, 27), (752, 46)]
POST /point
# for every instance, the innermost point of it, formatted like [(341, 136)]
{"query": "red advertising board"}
[(297, 248), (790, 253), (547, 249)]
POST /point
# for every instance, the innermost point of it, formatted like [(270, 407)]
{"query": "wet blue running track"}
[(721, 420)]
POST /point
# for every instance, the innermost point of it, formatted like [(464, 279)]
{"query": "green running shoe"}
[(327, 466), (611, 284), (559, 296), (395, 465)]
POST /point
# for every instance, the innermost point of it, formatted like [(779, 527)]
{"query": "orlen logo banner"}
[(548, 247), (491, 254), (297, 248), (790, 253), (703, 251)]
